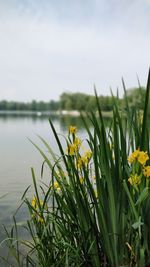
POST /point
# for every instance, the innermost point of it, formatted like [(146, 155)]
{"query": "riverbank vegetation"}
[(95, 209), (78, 101)]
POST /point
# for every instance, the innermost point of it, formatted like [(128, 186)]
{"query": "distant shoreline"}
[(73, 113), (28, 112), (39, 113)]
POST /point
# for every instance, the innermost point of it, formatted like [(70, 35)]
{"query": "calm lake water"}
[(18, 154)]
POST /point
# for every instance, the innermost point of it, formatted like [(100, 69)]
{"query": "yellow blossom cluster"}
[(84, 160), (56, 186), (34, 204), (73, 147), (139, 156), (134, 179)]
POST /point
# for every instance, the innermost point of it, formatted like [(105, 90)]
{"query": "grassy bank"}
[(95, 210)]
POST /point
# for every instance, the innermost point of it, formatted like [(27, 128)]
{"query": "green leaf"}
[(144, 194)]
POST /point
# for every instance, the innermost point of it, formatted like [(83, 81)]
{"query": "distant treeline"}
[(77, 101)]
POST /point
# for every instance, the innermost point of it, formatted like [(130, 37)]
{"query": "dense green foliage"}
[(31, 106), (77, 101), (135, 98)]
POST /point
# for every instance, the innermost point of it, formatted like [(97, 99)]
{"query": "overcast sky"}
[(51, 46)]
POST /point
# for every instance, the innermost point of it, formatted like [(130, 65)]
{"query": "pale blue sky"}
[(48, 47)]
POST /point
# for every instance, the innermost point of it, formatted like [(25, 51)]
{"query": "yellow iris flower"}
[(139, 156)]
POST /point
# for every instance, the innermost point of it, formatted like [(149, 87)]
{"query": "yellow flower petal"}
[(142, 157)]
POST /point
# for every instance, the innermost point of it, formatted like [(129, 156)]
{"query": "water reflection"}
[(65, 121)]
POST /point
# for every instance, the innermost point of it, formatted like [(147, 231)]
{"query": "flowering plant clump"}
[(36, 213), (138, 160), (95, 208), (74, 147)]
